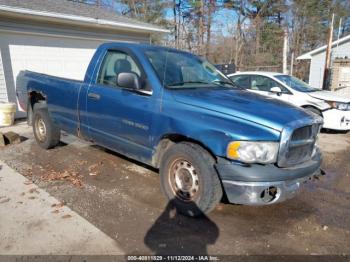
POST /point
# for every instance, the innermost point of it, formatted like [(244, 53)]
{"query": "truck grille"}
[(301, 145), (298, 147)]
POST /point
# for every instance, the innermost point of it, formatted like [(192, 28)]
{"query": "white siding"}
[(3, 90), (343, 50), (317, 70), (318, 61)]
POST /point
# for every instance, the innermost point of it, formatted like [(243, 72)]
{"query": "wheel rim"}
[(184, 180), (40, 128)]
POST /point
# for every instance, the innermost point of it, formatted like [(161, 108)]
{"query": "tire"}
[(189, 179), (46, 133)]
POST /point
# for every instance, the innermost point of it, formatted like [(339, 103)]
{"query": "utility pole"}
[(291, 64), (328, 56), (285, 51), (339, 31)]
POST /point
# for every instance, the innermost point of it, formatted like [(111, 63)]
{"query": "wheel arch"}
[(310, 105), (313, 107), (34, 98), (166, 141)]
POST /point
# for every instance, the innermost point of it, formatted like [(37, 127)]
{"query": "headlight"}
[(253, 152), (339, 105)]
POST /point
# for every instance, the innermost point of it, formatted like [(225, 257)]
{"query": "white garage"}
[(58, 38)]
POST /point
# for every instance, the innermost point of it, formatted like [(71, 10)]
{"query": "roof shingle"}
[(75, 8)]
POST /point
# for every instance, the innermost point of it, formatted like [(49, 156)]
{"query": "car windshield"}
[(179, 70), (295, 83)]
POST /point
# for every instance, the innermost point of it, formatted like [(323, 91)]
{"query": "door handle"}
[(94, 96)]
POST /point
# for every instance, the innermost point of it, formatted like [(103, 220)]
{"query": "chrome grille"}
[(297, 144), (301, 145), (304, 132)]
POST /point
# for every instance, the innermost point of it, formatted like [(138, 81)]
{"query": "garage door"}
[(50, 55), (56, 56)]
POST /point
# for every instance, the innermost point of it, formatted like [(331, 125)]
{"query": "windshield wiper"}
[(187, 82), (224, 82)]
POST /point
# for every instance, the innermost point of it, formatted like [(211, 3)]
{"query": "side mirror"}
[(276, 90), (129, 81)]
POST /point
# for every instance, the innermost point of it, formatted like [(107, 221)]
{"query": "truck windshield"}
[(295, 83), (182, 70)]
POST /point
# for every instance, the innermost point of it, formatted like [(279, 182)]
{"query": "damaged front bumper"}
[(336, 119), (265, 184)]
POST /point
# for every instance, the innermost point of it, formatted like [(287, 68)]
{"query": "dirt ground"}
[(123, 199)]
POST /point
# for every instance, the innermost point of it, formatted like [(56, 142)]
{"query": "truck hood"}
[(329, 96), (242, 104)]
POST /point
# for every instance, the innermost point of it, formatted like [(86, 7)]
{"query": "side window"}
[(283, 89), (114, 63), (242, 81), (263, 83)]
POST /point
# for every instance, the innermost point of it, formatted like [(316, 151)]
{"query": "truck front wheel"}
[(189, 179), (46, 133)]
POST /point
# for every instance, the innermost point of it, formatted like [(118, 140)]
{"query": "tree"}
[(253, 35)]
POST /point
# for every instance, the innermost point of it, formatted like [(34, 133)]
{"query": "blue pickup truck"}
[(172, 110)]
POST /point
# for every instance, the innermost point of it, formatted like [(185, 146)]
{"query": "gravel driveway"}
[(122, 198)]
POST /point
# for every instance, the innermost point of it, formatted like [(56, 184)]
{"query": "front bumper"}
[(336, 119), (264, 184)]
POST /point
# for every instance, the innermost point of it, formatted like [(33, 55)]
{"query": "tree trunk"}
[(210, 11), (200, 33), (257, 37), (175, 25)]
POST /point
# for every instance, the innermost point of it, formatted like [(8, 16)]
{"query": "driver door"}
[(120, 119)]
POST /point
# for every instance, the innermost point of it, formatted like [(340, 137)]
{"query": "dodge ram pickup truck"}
[(174, 111)]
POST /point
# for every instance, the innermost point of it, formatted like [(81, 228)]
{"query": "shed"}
[(58, 37), (340, 50)]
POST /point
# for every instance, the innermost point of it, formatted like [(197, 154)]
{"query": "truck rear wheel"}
[(189, 179), (46, 133)]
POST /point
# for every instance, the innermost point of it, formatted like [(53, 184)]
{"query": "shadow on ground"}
[(174, 234)]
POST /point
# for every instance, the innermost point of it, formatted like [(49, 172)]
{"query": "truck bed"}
[(63, 96)]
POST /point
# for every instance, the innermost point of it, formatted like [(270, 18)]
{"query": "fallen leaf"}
[(70, 176), (92, 167), (82, 162), (76, 182), (66, 216), (32, 197), (57, 205), (65, 174), (55, 211), (28, 182), (28, 172), (4, 200), (33, 190)]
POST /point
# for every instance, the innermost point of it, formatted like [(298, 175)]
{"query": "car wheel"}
[(46, 133), (189, 179)]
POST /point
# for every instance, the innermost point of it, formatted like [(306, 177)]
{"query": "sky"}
[(223, 20)]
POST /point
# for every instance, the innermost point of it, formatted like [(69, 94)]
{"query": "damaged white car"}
[(334, 109)]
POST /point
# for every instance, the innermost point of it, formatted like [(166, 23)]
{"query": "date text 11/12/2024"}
[(173, 258)]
